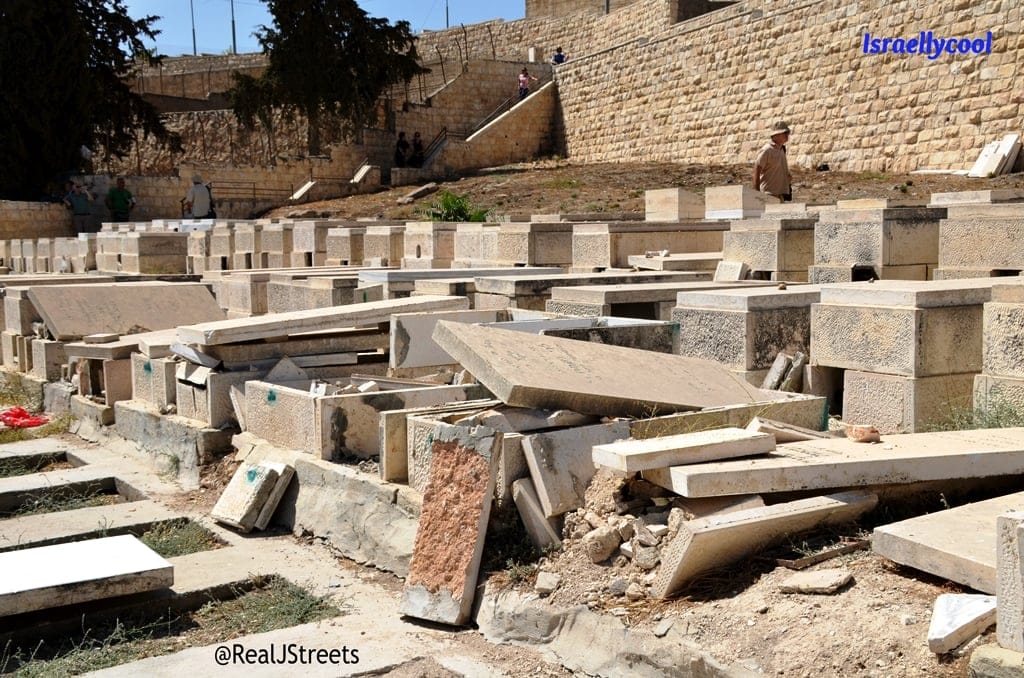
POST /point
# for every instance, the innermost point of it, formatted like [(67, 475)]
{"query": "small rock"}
[(618, 587), (658, 530), (626, 549), (817, 581), (635, 592), (661, 502), (593, 519), (547, 582), (619, 611), (908, 620), (676, 518), (662, 629), (646, 557), (763, 609), (620, 561), (643, 535), (601, 543), (593, 597), (626, 530), (650, 577)]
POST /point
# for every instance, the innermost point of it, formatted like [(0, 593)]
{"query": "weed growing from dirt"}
[(997, 414), (58, 424), (63, 499), (179, 538), (452, 207)]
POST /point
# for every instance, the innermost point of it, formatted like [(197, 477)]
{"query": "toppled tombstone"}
[(958, 618), (826, 581)]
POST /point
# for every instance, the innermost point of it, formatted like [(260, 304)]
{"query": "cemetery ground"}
[(559, 186), (291, 587)]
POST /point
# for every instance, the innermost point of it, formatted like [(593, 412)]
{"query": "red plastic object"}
[(19, 417)]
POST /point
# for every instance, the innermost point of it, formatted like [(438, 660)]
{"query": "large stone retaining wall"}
[(34, 220)]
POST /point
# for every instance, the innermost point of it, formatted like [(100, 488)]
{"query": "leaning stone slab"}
[(78, 572), (450, 538), (295, 322), (74, 311), (840, 462), (543, 531), (709, 543), (561, 466), (958, 618), (243, 499), (546, 372), (631, 456), (285, 473), (957, 544)]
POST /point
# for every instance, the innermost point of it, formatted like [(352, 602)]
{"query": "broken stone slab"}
[(709, 543), (827, 581), (543, 531), (74, 311), (777, 372), (957, 544), (244, 497), (985, 197), (601, 542), (1010, 580), (839, 462), (785, 433), (411, 342), (78, 572), (452, 527), (295, 322), (958, 618), (285, 473), (631, 456), (546, 372)]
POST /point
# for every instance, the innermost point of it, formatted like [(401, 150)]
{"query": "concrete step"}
[(53, 528)]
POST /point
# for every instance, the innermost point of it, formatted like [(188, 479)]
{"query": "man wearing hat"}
[(771, 171), (197, 202)]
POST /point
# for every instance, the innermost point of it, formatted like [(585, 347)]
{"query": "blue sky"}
[(213, 19)]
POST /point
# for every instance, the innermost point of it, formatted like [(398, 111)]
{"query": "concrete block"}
[(443, 573), (154, 380), (672, 204), (899, 404), (243, 498), (735, 202), (992, 661), (631, 456), (48, 358), (286, 417)]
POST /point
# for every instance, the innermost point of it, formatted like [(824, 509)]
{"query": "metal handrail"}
[(507, 105), (223, 190), (434, 146)]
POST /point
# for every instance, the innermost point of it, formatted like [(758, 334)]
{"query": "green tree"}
[(64, 66), (329, 58), (254, 99)]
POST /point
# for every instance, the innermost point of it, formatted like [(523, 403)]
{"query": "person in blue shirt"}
[(558, 57)]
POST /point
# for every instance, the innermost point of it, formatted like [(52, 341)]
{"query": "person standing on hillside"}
[(120, 202), (417, 153), (771, 169), (197, 202), (524, 83)]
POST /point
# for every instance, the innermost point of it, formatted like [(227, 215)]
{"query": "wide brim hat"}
[(197, 179), (779, 128)]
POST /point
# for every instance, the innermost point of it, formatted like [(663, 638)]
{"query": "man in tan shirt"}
[(771, 171)]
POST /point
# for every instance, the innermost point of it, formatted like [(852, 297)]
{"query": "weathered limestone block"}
[(908, 328), (601, 246), (429, 244), (672, 204), (899, 404), (772, 245), (745, 328), (884, 240)]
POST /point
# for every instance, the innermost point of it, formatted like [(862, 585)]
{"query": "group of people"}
[(79, 199), (525, 78), (409, 155), (119, 200)]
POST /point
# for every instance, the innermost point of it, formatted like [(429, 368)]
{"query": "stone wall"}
[(523, 133), (34, 220), (707, 89), (555, 8), (194, 77)]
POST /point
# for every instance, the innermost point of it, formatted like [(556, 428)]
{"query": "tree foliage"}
[(63, 69), (329, 58)]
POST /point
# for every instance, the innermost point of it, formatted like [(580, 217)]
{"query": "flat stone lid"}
[(751, 298), (651, 227), (1009, 292), (395, 275), (773, 224), (642, 292), (914, 293)]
